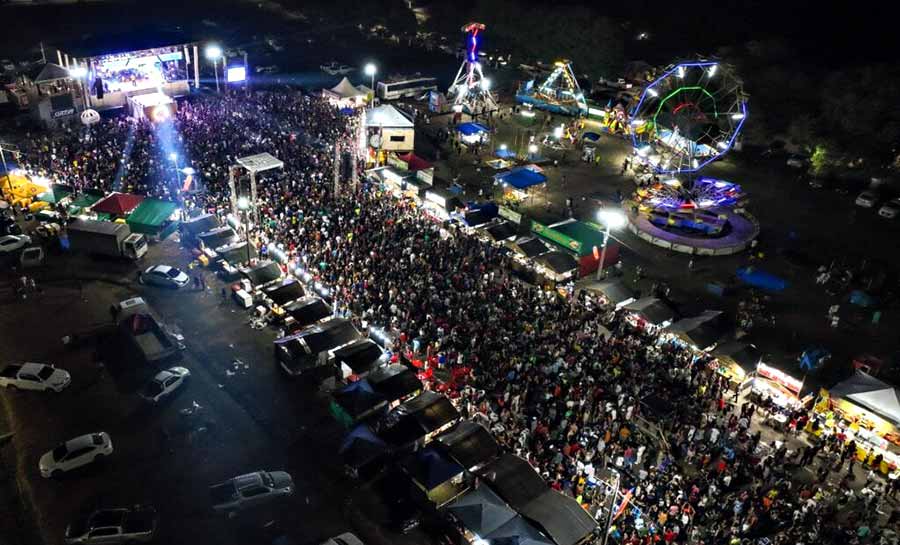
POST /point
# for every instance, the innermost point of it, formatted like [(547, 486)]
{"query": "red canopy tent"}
[(414, 162), (118, 204)]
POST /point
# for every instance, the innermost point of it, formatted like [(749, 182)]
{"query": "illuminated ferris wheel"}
[(688, 117)]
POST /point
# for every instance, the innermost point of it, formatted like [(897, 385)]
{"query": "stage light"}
[(173, 156), (243, 203), (370, 69), (558, 132), (485, 84), (532, 149), (160, 114), (503, 147), (188, 171), (213, 52), (78, 72)]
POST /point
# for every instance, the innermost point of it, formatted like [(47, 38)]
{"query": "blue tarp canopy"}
[(522, 177), (504, 153), (430, 469), (761, 279), (592, 136), (468, 129)]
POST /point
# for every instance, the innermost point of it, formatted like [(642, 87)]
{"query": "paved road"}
[(244, 415)]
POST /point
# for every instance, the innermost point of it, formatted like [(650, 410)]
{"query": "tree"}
[(820, 160)]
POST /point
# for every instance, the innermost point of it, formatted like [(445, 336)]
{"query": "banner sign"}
[(556, 236), (509, 214)]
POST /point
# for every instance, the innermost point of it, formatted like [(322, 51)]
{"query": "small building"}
[(53, 94), (388, 130)]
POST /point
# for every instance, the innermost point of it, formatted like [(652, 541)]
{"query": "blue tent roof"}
[(360, 433), (592, 136), (470, 128), (522, 177), (430, 469), (504, 153)]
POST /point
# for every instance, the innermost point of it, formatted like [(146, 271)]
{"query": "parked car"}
[(165, 276), (797, 161), (246, 491), (890, 209), (34, 376), (347, 538), (112, 526), (75, 453), (164, 384), (33, 256), (11, 243), (867, 199)]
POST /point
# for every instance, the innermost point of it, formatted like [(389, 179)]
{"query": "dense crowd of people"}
[(568, 384)]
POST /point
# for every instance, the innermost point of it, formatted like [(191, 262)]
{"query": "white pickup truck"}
[(34, 376), (246, 491), (112, 526)]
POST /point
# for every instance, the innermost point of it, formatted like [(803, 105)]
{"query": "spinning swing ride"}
[(559, 93)]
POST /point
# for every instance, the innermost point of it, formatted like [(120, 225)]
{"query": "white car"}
[(795, 161), (34, 376), (867, 199), (75, 453), (890, 209), (11, 243), (164, 383), (165, 276)]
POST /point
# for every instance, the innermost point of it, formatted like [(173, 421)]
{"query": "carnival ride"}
[(470, 91), (686, 119), (689, 116), (559, 93)]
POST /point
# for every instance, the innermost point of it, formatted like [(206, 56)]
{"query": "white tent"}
[(345, 93), (870, 393)]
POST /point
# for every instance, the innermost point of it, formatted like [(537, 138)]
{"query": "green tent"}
[(83, 201), (55, 194), (150, 216)]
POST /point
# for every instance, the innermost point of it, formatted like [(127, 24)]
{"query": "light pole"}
[(612, 504), (213, 53), (370, 71), (244, 204), (612, 219)]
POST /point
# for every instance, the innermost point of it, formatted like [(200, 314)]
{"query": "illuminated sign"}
[(236, 74), (780, 377)]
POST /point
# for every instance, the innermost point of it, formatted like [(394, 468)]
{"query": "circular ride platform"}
[(742, 229)]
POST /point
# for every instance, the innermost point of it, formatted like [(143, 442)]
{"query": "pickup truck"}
[(34, 376), (108, 526), (246, 491)]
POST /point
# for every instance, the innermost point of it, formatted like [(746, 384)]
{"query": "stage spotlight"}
[(160, 114)]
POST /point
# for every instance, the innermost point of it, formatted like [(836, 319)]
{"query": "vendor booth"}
[(57, 194), (286, 291), (477, 513), (518, 531), (201, 223), (263, 273), (220, 236), (557, 266), (513, 479), (650, 312), (737, 361), (583, 240), (473, 133), (234, 253), (435, 479), (469, 444), (307, 352), (83, 202), (701, 332), (52, 94), (866, 410), (397, 383), (355, 402), (363, 452), (612, 292), (359, 358), (305, 312), (118, 205), (501, 231), (440, 203), (155, 218), (782, 386), (415, 422), (521, 181)]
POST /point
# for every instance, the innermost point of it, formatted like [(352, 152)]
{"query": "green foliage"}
[(820, 160)]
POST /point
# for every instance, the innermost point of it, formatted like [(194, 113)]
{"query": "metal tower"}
[(471, 91)]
